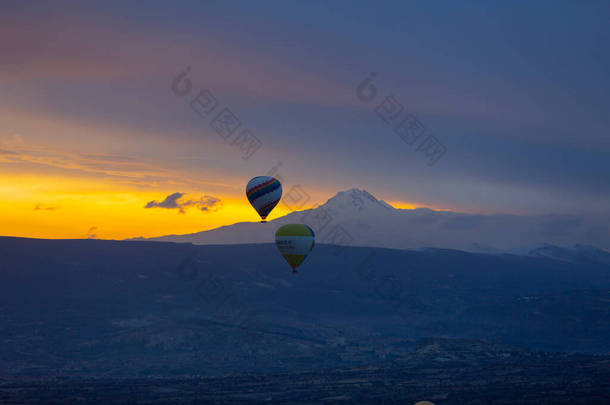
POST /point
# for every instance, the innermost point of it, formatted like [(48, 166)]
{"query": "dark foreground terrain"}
[(133, 322), (438, 370)]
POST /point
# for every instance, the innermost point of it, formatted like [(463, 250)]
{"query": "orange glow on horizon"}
[(402, 205), (41, 206), (58, 206), (410, 206)]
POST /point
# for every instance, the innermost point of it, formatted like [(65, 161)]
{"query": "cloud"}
[(119, 168), (91, 234), (206, 203), (145, 56), (8, 145), (42, 207), (13, 141), (171, 201), (7, 152)]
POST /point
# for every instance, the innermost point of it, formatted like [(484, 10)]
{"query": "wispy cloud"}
[(120, 168), (205, 203), (229, 67), (7, 152), (42, 207), (12, 141), (91, 233)]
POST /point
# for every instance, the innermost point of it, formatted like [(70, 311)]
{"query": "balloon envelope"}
[(294, 242), (264, 193)]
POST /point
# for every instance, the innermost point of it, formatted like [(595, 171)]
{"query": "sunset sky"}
[(91, 130)]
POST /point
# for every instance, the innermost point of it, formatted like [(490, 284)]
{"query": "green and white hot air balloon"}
[(294, 242)]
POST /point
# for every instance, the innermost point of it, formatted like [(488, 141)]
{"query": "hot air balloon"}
[(294, 242), (264, 193)]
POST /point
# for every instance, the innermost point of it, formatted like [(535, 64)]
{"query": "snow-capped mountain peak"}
[(355, 200)]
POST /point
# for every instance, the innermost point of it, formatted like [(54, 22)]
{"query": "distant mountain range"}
[(355, 217)]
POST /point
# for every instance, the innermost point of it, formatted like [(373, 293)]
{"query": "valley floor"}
[(440, 371)]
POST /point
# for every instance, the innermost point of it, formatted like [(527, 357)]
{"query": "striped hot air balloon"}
[(294, 242), (264, 193)]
